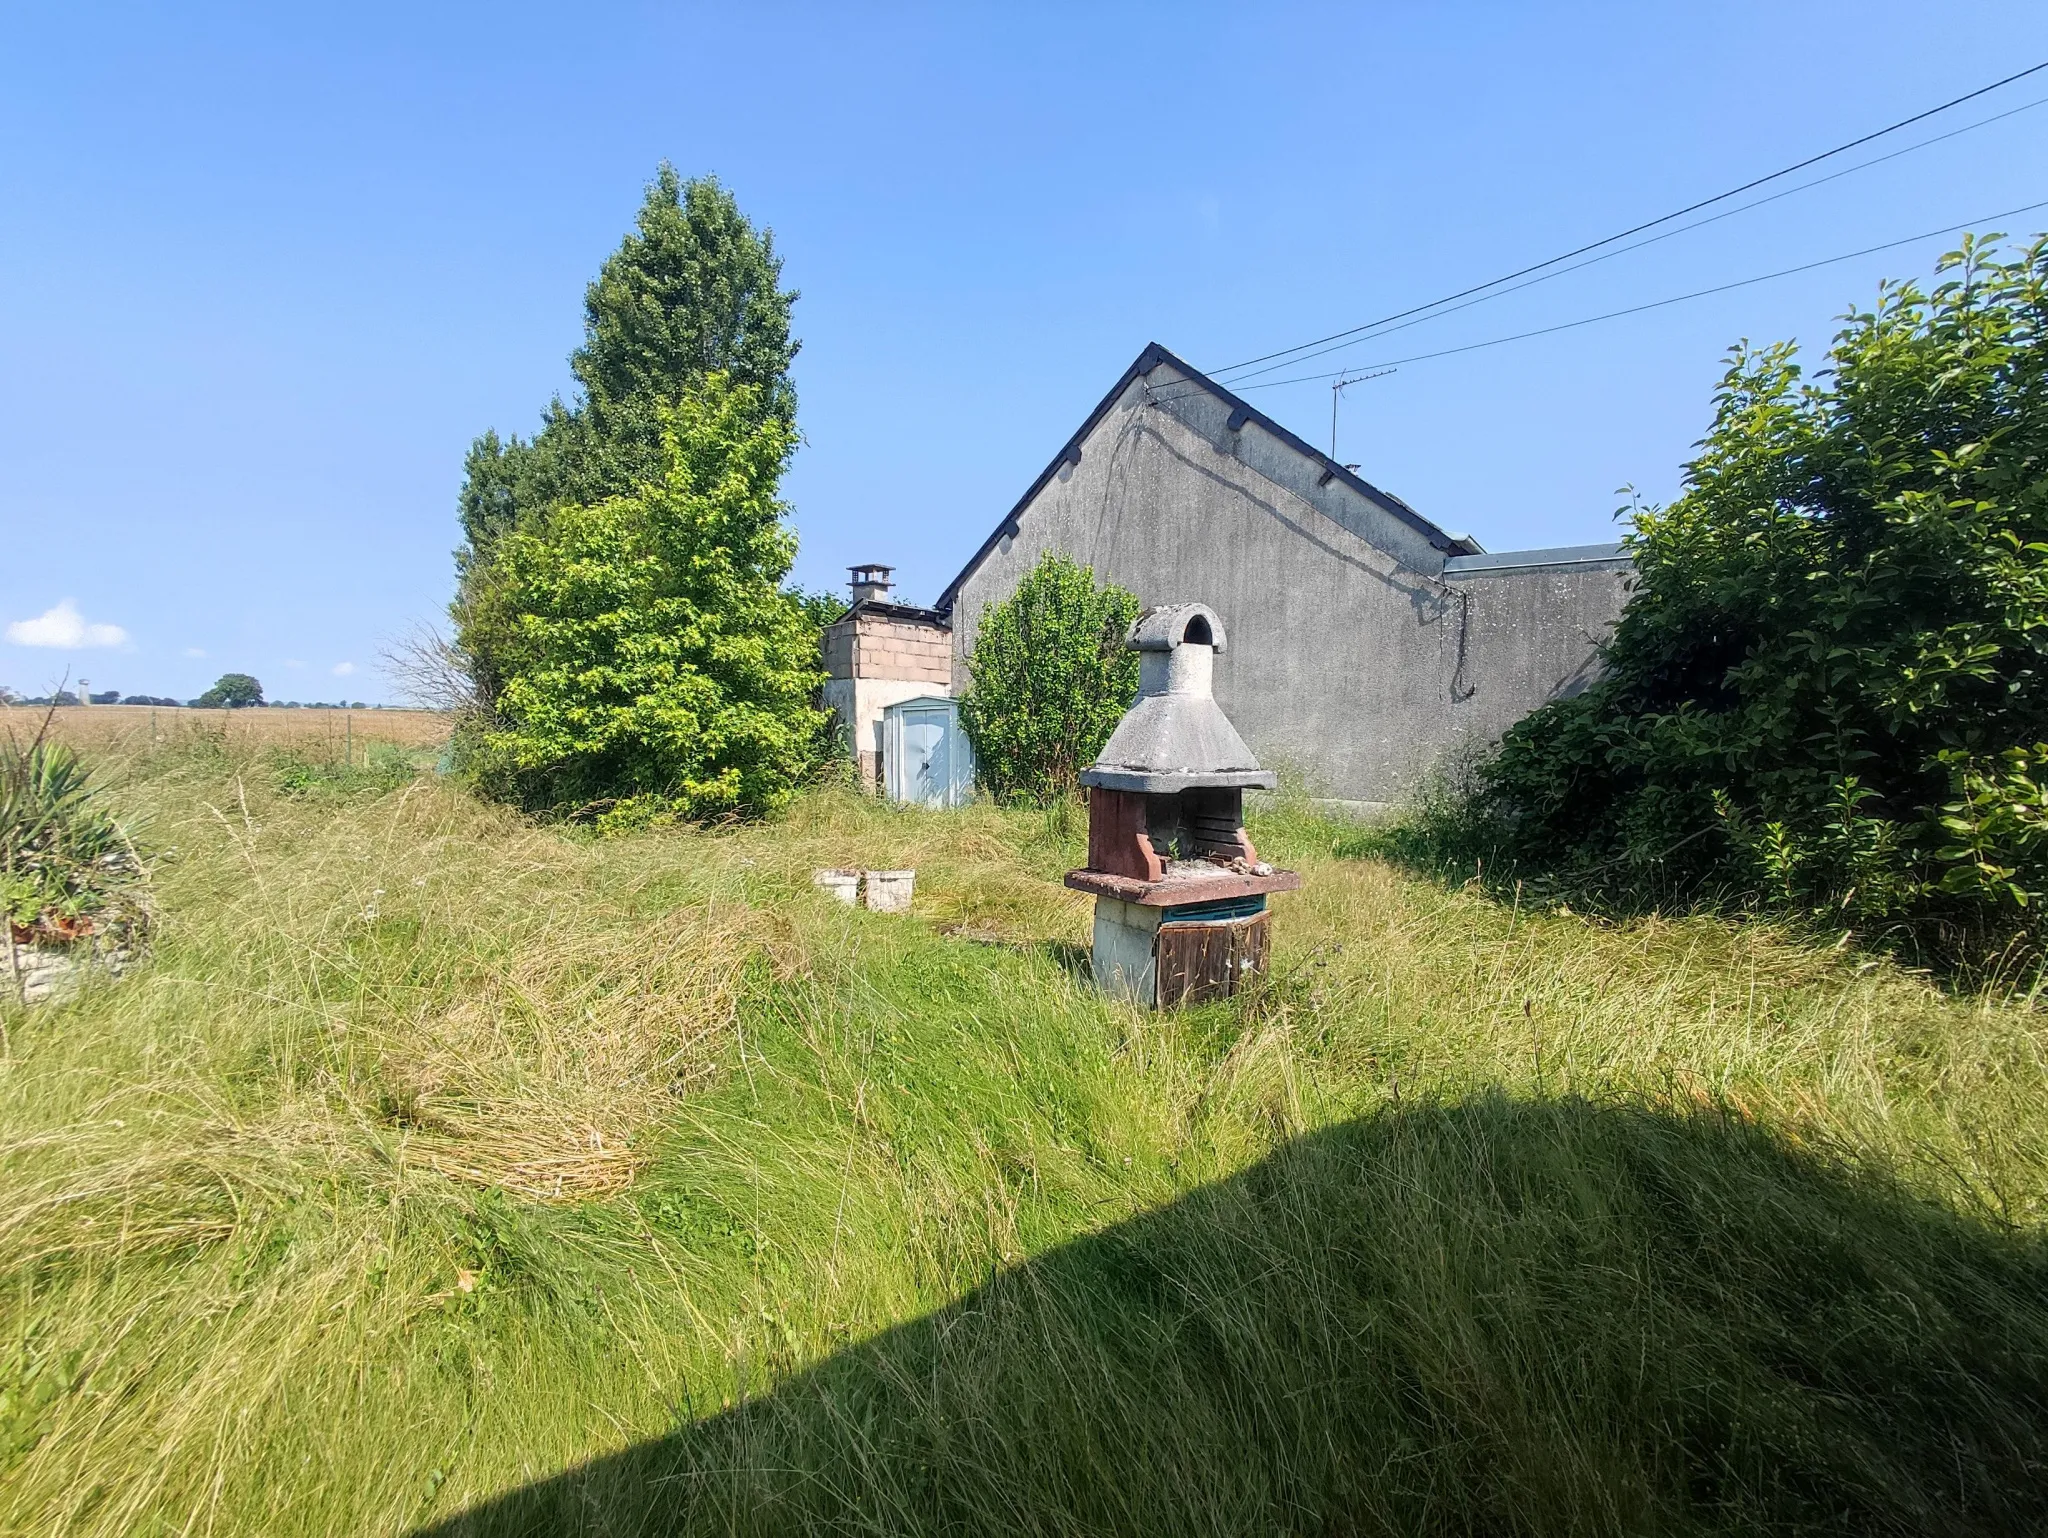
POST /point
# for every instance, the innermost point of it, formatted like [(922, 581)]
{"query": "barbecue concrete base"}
[(1164, 958), (1126, 949)]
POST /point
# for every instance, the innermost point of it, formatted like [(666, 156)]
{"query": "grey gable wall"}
[(1356, 660)]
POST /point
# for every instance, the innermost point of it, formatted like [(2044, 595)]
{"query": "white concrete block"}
[(889, 891), (842, 884), (1125, 961)]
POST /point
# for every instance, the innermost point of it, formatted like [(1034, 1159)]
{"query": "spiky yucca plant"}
[(67, 868)]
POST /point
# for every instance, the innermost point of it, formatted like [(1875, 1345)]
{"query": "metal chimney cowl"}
[(1176, 737), (870, 582)]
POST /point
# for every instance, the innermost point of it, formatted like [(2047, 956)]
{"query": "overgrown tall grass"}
[(434, 1154)]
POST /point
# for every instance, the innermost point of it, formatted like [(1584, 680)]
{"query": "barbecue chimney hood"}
[(1176, 737)]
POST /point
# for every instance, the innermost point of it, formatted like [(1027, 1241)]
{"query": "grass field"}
[(126, 730), (441, 1172)]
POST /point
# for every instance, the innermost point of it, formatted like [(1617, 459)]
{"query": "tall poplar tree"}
[(692, 291)]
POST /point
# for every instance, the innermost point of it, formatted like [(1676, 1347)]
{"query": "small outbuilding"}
[(878, 654)]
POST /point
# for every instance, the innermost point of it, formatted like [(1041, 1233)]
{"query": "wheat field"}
[(121, 730)]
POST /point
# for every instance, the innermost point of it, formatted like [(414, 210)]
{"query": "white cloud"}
[(195, 651), (343, 669), (64, 628)]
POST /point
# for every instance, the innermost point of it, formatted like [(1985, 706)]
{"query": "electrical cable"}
[(1382, 329), (1719, 197), (1634, 309)]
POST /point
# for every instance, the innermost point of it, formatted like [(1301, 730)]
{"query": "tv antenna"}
[(1337, 388)]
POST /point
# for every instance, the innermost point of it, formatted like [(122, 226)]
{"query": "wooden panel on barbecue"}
[(1200, 963)]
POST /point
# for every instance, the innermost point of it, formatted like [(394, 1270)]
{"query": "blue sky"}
[(264, 273)]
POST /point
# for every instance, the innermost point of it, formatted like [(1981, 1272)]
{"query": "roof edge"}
[(888, 610), (1501, 561), (1241, 412)]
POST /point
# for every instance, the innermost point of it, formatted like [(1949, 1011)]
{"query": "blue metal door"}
[(926, 759)]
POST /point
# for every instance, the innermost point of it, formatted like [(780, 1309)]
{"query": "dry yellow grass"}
[(128, 729)]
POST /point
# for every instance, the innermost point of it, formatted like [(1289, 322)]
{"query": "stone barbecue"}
[(1180, 893)]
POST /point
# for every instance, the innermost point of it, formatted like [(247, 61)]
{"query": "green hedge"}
[(1829, 691)]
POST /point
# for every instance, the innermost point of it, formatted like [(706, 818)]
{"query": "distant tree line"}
[(70, 697), (232, 691)]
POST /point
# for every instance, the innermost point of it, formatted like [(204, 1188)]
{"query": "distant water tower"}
[(85, 691)]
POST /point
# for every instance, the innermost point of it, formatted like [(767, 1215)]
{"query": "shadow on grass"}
[(1495, 1316), (1077, 961)]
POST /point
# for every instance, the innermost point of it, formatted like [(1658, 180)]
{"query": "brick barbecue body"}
[(1180, 913)]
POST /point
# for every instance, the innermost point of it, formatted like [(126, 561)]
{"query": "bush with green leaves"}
[(385, 766), (650, 662), (1049, 676), (1828, 693)]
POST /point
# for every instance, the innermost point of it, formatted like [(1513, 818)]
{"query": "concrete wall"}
[(1345, 636), (1534, 620), (1124, 955)]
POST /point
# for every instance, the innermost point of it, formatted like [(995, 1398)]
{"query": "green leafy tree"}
[(232, 690), (822, 608), (1049, 677), (692, 291), (653, 665), (1829, 689)]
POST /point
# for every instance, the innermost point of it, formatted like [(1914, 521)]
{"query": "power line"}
[(1635, 309), (1658, 304), (1382, 329), (1719, 197)]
